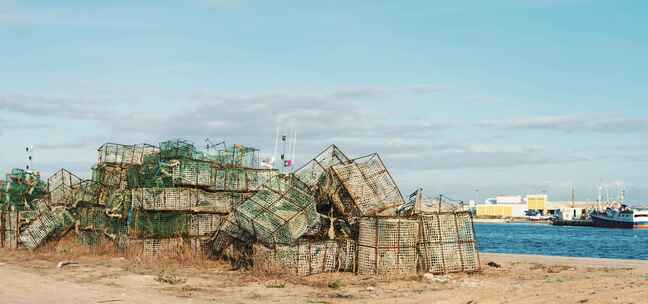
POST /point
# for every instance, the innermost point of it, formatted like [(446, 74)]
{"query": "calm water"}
[(563, 241)]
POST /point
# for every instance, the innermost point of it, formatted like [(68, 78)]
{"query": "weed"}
[(337, 284), (169, 278), (276, 285)]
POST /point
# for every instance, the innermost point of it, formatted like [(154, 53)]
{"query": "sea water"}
[(563, 240)]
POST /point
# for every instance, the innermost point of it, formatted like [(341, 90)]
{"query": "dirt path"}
[(20, 286), (520, 279)]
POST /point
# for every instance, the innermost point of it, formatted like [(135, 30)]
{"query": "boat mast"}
[(573, 196)]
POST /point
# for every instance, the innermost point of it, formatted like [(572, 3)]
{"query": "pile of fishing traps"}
[(333, 214)]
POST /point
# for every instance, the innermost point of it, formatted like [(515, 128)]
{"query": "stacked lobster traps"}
[(334, 214)]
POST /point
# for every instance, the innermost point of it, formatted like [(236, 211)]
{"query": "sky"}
[(469, 99)]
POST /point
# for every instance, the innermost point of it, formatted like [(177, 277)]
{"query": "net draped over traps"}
[(335, 213)]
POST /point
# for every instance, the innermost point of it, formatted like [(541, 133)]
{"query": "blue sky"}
[(504, 96)]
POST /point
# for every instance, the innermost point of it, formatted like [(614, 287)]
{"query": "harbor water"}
[(541, 239)]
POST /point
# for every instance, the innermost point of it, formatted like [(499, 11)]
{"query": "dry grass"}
[(174, 265), (170, 277)]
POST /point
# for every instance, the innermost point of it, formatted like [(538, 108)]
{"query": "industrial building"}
[(537, 202), (512, 205)]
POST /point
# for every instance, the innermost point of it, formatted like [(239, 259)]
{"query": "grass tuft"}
[(337, 284)]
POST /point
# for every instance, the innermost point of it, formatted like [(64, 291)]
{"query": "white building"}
[(509, 199)]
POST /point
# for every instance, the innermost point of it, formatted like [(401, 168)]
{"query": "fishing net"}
[(447, 243), (185, 199), (153, 224), (278, 214), (180, 149), (387, 245), (369, 184), (238, 156), (21, 188)]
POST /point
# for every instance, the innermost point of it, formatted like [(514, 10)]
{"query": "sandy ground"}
[(520, 279)]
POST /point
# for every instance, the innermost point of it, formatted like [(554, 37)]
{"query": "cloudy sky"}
[(503, 96)]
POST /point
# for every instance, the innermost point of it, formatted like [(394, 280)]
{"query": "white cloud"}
[(48, 106), (599, 123), (418, 151)]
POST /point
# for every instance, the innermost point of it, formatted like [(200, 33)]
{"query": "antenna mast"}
[(294, 146), (29, 150)]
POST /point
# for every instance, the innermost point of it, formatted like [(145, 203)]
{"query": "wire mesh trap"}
[(447, 243), (387, 245), (303, 258), (61, 187), (333, 214), (9, 226), (185, 199), (39, 230), (311, 173), (278, 214), (112, 153), (369, 184)]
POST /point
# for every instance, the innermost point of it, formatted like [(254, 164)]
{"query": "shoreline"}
[(561, 257), (575, 261), (508, 221)]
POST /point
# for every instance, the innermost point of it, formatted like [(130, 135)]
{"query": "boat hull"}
[(598, 221)]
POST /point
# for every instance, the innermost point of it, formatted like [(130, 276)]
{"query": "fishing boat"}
[(536, 216), (621, 217)]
